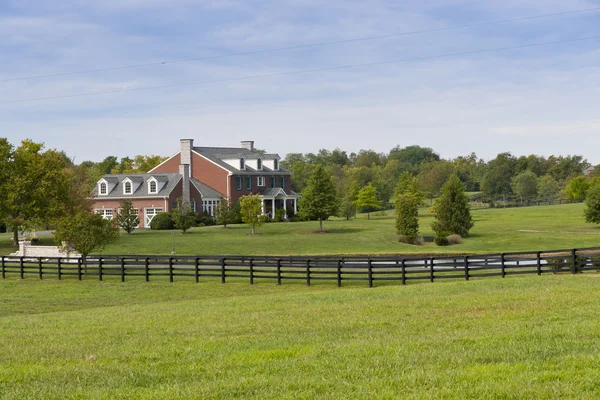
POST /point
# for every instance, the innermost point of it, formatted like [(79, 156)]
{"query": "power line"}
[(305, 71), (302, 46)]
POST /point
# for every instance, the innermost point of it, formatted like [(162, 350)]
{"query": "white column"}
[(263, 206), (285, 205), (295, 206)]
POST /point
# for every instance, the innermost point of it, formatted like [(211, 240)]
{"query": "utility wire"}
[(304, 71), (302, 46)]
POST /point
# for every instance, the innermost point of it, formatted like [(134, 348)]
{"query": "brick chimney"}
[(248, 144), (185, 167)]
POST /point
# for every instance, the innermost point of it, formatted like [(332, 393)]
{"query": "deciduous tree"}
[(251, 211), (183, 216), (367, 200), (525, 186), (127, 217), (592, 203), (225, 213)]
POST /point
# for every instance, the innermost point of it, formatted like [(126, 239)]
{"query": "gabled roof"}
[(170, 179), (218, 154), (205, 190)]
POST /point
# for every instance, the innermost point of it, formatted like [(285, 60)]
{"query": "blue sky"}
[(541, 100)]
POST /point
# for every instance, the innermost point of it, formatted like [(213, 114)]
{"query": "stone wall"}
[(27, 250)]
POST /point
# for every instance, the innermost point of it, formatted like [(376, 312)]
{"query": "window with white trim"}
[(103, 188), (242, 164), (238, 183), (260, 181), (152, 187), (249, 182), (259, 164), (106, 213), (209, 206), (194, 206), (127, 188), (275, 164)]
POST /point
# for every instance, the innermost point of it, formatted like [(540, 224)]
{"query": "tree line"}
[(504, 178)]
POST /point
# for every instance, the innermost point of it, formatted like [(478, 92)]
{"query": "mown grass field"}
[(496, 230), (518, 337)]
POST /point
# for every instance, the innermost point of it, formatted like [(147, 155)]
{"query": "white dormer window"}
[(259, 164), (242, 164), (152, 186), (127, 187), (275, 164), (103, 188)]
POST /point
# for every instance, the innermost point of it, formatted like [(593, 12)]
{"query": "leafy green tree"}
[(85, 232), (592, 203), (183, 216), (497, 180), (452, 212), (37, 185), (367, 200), (525, 186), (548, 188), (413, 155), (251, 211), (144, 164), (127, 216), (432, 176), (577, 188), (225, 213), (319, 199)]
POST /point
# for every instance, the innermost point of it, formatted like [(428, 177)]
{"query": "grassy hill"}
[(521, 337), (496, 230)]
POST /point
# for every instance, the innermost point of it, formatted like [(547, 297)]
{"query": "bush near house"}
[(162, 222)]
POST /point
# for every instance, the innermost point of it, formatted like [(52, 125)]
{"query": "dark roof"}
[(218, 154), (276, 191), (170, 179), (205, 190)]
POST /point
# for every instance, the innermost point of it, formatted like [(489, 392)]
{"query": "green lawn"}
[(518, 337), (496, 230)]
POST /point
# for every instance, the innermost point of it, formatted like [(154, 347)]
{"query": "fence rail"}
[(304, 269)]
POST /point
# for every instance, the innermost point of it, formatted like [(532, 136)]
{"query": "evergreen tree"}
[(127, 217), (319, 200), (451, 210)]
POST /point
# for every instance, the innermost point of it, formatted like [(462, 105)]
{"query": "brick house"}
[(202, 176)]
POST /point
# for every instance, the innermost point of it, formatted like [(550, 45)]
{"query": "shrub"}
[(441, 239), (205, 219), (279, 215), (454, 239), (162, 222), (414, 240)]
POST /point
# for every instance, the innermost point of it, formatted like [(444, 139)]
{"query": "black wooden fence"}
[(304, 269)]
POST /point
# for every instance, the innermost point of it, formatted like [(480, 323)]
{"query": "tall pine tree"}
[(451, 210)]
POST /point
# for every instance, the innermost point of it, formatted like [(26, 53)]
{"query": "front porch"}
[(278, 199)]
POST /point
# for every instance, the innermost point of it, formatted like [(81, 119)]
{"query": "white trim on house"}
[(150, 181), (109, 187), (126, 182), (150, 213), (260, 181)]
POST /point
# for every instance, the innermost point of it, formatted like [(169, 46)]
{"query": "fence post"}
[(122, 269), (100, 268), (339, 273), (59, 269), (3, 268), (21, 268), (197, 269), (252, 271), (539, 262), (222, 270), (370, 273), (279, 271), (404, 271), (78, 268), (467, 268), (40, 271), (574, 263), (503, 264), (170, 269), (307, 272), (431, 271), (147, 269)]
